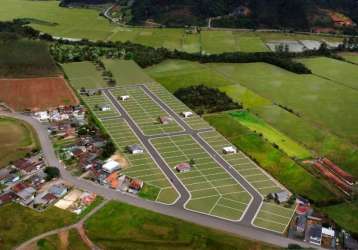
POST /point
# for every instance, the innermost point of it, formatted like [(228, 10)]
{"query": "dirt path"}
[(81, 231), (63, 237)]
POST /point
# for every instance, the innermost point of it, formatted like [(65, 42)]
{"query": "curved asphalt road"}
[(240, 229)]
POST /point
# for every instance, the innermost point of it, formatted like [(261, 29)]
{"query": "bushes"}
[(203, 99)]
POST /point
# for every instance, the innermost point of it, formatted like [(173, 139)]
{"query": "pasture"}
[(212, 190), (16, 139), (289, 146), (36, 93), (321, 101), (126, 72), (350, 57), (339, 72), (84, 74), (163, 232), (145, 112)]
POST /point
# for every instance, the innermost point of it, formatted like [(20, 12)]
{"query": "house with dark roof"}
[(315, 234), (135, 149)]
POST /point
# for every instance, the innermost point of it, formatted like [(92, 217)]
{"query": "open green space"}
[(322, 101), (213, 191), (289, 146), (19, 224), (275, 162), (274, 217), (17, 138), (25, 58), (339, 72), (70, 240), (145, 112), (95, 102), (109, 229), (350, 56), (84, 74), (345, 215), (126, 72), (49, 243)]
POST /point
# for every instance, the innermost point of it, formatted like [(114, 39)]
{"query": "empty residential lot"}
[(213, 191), (94, 103), (144, 111)]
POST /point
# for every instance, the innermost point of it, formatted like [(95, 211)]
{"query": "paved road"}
[(240, 229), (257, 198)]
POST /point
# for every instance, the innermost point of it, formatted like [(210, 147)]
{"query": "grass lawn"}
[(250, 42), (214, 42), (118, 225), (75, 241), (16, 139), (70, 240), (350, 57), (19, 224), (84, 74), (322, 101), (339, 72), (290, 147), (345, 215), (126, 72), (49, 243), (278, 164)]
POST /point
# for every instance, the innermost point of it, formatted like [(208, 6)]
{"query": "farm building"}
[(183, 167), (104, 107), (124, 97), (229, 150), (187, 114), (110, 166), (135, 149), (165, 119)]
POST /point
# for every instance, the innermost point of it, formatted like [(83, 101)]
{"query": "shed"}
[(229, 150), (282, 196), (187, 114), (104, 107), (183, 167), (124, 97), (135, 149)]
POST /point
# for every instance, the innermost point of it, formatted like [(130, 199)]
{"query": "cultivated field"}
[(145, 112), (16, 139), (36, 93), (213, 191), (25, 58), (343, 73), (84, 74)]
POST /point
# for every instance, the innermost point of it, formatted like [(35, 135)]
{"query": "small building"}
[(165, 119), (328, 238), (104, 107), (7, 197), (135, 149), (42, 116), (135, 186), (58, 190), (187, 114), (183, 167), (111, 166), (124, 97), (26, 195), (282, 196), (229, 150), (315, 234)]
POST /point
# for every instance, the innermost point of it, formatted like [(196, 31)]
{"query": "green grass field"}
[(276, 163), (25, 58), (109, 229), (19, 224), (84, 74), (145, 112), (345, 215), (350, 57), (126, 72), (213, 191), (289, 146), (339, 72), (71, 240), (16, 140)]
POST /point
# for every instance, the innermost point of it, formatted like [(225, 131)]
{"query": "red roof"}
[(19, 187), (7, 197), (49, 197), (136, 184)]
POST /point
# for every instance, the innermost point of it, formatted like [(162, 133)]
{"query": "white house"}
[(229, 150), (135, 149), (110, 166), (104, 107), (42, 116), (124, 97), (187, 114)]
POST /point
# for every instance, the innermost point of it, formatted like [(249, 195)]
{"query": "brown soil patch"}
[(120, 159), (63, 236), (36, 93)]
